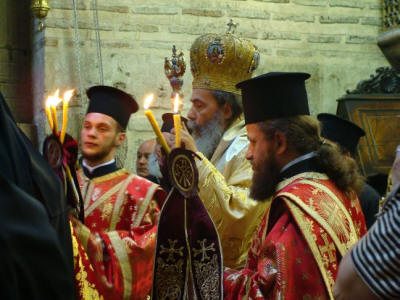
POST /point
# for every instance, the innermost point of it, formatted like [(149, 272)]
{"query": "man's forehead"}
[(96, 117), (147, 146), (252, 129), (202, 95)]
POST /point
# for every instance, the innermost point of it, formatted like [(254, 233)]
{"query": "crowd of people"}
[(294, 216)]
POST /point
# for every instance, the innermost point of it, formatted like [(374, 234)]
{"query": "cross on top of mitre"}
[(231, 26)]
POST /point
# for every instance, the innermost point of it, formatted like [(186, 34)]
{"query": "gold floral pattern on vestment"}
[(124, 263), (170, 277), (87, 290), (119, 202), (311, 239), (143, 205), (207, 277)]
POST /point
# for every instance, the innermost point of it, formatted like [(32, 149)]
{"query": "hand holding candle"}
[(177, 122), (154, 124)]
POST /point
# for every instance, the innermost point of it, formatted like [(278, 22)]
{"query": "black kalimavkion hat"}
[(112, 102), (341, 131), (274, 95)]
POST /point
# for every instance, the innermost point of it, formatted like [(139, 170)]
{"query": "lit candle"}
[(154, 123), (67, 97), (55, 100), (177, 122), (48, 113)]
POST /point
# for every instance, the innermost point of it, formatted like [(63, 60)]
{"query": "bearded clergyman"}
[(315, 216), (218, 63)]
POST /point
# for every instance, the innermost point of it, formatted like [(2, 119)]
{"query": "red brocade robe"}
[(119, 235), (301, 240), (88, 286)]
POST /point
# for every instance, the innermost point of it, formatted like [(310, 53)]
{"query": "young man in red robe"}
[(315, 216), (121, 209)]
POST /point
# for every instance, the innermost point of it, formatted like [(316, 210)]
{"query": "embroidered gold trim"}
[(86, 289), (102, 198), (143, 207), (305, 175), (84, 234), (312, 213), (110, 176), (123, 258), (298, 216), (353, 237), (116, 214), (88, 187)]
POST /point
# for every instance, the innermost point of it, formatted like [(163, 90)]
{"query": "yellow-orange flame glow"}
[(68, 95), (148, 101), (53, 100), (176, 103)]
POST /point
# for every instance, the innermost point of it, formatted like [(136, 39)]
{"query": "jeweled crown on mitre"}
[(220, 61)]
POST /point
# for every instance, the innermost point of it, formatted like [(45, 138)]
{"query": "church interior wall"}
[(333, 40)]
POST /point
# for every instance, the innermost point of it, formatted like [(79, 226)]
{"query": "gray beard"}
[(208, 136), (154, 167)]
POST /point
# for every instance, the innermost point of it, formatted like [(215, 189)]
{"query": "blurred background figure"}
[(142, 160), (346, 135)]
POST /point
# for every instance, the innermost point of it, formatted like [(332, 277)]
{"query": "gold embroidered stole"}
[(322, 217)]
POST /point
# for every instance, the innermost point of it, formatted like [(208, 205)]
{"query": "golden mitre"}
[(220, 61)]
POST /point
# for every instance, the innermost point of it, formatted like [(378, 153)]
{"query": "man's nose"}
[(249, 155), (191, 115), (91, 132)]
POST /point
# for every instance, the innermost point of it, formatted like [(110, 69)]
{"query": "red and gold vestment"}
[(119, 235), (301, 240)]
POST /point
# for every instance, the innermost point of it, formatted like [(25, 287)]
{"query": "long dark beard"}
[(208, 136), (265, 179)]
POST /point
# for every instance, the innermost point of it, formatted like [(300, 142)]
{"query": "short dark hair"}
[(233, 100)]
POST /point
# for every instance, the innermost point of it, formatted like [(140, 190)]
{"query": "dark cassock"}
[(35, 239), (311, 222), (347, 135)]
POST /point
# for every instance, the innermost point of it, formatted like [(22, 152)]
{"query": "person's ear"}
[(120, 138), (281, 145), (227, 110)]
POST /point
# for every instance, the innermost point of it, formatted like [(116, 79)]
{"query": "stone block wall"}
[(334, 40), (15, 58)]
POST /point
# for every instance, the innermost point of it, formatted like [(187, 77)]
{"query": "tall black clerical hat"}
[(168, 122), (274, 95), (341, 131), (112, 102)]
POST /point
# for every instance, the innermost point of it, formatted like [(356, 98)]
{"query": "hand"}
[(186, 139), (396, 168)]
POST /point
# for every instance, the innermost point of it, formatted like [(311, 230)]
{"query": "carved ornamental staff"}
[(174, 69)]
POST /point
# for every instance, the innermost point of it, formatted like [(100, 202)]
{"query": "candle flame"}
[(53, 100), (176, 104), (68, 95), (148, 101)]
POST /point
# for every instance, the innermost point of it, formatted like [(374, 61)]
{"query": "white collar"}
[(298, 159), (91, 169)]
